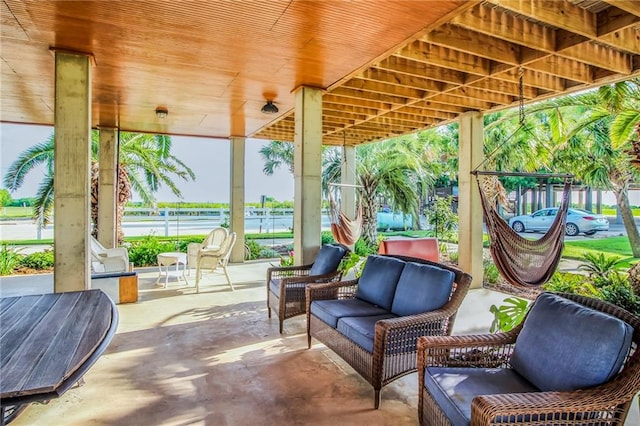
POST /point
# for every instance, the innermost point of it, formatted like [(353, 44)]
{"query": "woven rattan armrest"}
[(485, 408), (277, 272), (482, 350), (310, 279), (332, 290)]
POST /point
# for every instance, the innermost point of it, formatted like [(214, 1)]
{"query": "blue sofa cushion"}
[(377, 284), (422, 288), (566, 346), (454, 388), (330, 311), (328, 259), (361, 330)]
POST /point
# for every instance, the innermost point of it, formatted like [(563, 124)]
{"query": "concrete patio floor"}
[(214, 358)]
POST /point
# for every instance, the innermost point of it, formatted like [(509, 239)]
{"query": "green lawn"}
[(15, 212), (614, 246)]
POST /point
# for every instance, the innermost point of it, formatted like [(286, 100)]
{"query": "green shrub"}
[(9, 259), (361, 248), (268, 253), (145, 252), (327, 237), (183, 243), (491, 273), (615, 289), (253, 249), (38, 260)]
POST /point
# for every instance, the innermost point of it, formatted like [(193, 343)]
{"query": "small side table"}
[(168, 259)]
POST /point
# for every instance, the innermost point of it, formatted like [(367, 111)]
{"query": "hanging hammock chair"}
[(345, 230), (522, 262)]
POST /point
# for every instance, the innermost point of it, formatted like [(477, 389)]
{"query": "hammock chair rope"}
[(523, 262), (345, 230)]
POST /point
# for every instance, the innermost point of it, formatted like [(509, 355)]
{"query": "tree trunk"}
[(123, 194), (369, 212), (622, 196)]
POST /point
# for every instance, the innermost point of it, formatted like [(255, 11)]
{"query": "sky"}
[(208, 158)]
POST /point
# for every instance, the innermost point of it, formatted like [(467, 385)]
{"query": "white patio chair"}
[(214, 260), (108, 259), (211, 244)]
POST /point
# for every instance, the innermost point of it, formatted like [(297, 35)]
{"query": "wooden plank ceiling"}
[(388, 67)]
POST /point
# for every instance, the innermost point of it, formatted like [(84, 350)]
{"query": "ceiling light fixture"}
[(269, 108), (162, 112)]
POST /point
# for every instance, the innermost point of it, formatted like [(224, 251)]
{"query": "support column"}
[(348, 176), (107, 187), (72, 171), (236, 205), (469, 204), (307, 166)]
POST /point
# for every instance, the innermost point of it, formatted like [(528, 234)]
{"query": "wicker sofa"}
[(573, 361), (373, 322)]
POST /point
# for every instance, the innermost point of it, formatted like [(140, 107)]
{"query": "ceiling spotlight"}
[(269, 108), (162, 112)]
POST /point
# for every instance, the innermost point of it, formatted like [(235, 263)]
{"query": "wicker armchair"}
[(286, 285), (463, 359), (214, 259), (212, 244), (393, 354)]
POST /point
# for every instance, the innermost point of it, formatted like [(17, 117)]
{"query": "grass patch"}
[(614, 246)]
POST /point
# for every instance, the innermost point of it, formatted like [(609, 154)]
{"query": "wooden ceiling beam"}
[(402, 80), (401, 65), (629, 6), (560, 14), (474, 43), (446, 58), (383, 99), (337, 99), (615, 19), (374, 86)]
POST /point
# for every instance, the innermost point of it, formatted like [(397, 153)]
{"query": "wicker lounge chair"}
[(211, 244), (573, 361), (286, 284), (214, 259), (373, 322)]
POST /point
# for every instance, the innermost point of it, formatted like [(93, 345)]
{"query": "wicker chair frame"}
[(394, 347), (607, 404), (290, 301)]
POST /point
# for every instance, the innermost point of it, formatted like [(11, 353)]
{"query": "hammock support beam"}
[(523, 174)]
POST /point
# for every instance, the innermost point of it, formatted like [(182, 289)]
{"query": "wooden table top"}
[(48, 342)]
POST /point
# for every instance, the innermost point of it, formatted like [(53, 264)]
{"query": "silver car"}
[(578, 220)]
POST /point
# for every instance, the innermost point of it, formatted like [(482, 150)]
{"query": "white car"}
[(578, 220)]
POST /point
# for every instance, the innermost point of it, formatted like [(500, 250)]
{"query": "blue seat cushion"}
[(454, 388), (361, 330), (328, 259), (377, 284), (566, 346), (330, 311), (422, 288)]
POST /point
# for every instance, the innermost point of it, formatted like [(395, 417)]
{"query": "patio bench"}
[(373, 322)]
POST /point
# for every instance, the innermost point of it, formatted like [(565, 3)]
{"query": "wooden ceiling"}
[(388, 67)]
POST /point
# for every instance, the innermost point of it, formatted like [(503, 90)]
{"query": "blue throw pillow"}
[(565, 346), (378, 281), (328, 259), (422, 288)]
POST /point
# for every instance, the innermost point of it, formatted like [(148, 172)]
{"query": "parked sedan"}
[(578, 220)]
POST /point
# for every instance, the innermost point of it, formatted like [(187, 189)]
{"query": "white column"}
[(348, 177), (72, 171), (107, 186), (307, 169), (236, 205), (469, 204)]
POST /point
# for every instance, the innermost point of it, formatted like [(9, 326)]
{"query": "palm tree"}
[(595, 135), (277, 154), (145, 164)]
